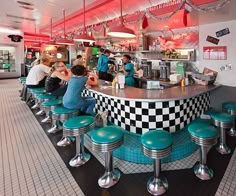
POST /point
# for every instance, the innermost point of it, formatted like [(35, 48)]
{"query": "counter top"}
[(132, 93)]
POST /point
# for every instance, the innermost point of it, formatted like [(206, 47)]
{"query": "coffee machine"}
[(164, 70)]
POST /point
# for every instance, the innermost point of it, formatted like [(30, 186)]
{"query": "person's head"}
[(58, 66), (79, 70), (46, 61), (107, 53), (126, 58), (79, 57)]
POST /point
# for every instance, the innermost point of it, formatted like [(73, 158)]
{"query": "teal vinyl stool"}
[(223, 122), (34, 93), (157, 144), (107, 139), (49, 105), (77, 127), (230, 108), (59, 115), (205, 136), (41, 99), (22, 79)]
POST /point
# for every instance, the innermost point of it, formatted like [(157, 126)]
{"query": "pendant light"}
[(51, 42), (36, 44), (64, 41), (84, 37), (120, 30)]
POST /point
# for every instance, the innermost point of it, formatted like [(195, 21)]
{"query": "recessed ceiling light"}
[(24, 3), (26, 7)]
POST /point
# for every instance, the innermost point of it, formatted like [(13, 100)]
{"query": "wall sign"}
[(222, 32), (212, 40), (215, 52)]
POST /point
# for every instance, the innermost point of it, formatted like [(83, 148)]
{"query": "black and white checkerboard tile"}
[(141, 116)]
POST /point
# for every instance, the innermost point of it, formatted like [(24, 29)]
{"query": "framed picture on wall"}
[(215, 52)]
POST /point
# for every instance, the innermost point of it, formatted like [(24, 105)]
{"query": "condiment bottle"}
[(182, 83)]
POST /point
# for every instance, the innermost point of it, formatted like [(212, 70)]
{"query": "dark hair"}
[(107, 51), (79, 70), (127, 56), (78, 56)]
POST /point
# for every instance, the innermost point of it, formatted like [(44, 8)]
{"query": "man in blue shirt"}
[(102, 66)]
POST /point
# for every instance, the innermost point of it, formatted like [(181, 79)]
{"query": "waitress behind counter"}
[(128, 70), (103, 67)]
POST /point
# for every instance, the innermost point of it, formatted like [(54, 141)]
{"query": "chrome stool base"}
[(223, 149), (109, 178), (79, 159), (157, 186), (35, 106), (47, 120), (65, 141), (54, 129), (232, 132), (40, 113), (203, 172)]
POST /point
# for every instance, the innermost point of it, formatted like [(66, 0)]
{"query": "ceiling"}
[(39, 18)]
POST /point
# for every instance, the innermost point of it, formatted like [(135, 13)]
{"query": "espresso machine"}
[(164, 70)]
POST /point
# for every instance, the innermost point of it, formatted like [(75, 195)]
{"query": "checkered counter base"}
[(140, 116)]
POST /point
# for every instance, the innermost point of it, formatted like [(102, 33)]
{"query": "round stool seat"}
[(38, 92), (63, 110), (222, 117), (46, 96), (157, 139), (202, 130), (229, 105), (78, 125), (106, 138), (52, 102), (107, 135)]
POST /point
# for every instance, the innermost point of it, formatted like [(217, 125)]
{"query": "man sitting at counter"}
[(103, 67), (128, 70)]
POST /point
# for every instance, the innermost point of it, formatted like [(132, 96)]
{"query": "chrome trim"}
[(204, 141), (63, 117), (226, 125), (106, 147), (76, 132), (156, 154)]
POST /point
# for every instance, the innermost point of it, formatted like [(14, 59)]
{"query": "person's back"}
[(72, 97), (52, 83)]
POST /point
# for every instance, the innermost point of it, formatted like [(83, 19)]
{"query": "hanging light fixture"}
[(120, 30), (84, 37), (51, 42), (64, 41), (36, 44)]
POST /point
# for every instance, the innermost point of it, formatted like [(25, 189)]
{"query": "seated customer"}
[(53, 82), (73, 98), (37, 74), (128, 70)]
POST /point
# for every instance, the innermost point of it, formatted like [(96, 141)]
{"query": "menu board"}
[(215, 52)]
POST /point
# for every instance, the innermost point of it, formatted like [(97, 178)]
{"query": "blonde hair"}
[(45, 59), (53, 68)]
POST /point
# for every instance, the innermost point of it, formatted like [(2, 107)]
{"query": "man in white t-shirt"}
[(37, 75)]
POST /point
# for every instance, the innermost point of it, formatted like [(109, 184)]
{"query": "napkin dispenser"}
[(153, 84), (175, 77)]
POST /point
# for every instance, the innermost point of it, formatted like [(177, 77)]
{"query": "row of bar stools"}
[(223, 122), (41, 99), (106, 140), (34, 93), (205, 136), (77, 127), (157, 144), (49, 105), (230, 108)]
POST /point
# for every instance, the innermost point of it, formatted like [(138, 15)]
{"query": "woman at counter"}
[(128, 70), (103, 67)]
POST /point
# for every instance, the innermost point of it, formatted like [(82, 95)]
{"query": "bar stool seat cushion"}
[(52, 102), (157, 139), (202, 130), (106, 135), (222, 117), (78, 122), (47, 96), (38, 91), (229, 105), (63, 110)]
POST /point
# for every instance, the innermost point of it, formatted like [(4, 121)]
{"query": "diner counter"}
[(139, 110), (132, 93)]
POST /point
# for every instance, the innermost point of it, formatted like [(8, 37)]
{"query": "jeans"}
[(89, 105), (39, 85)]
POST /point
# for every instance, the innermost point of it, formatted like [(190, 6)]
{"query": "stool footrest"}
[(109, 179)]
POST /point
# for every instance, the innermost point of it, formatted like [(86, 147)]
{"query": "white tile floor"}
[(29, 163)]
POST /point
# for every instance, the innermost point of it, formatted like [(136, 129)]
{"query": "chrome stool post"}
[(77, 127), (230, 108), (106, 140)]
